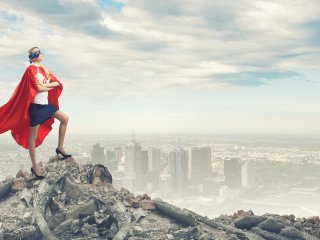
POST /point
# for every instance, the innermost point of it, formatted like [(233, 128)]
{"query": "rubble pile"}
[(79, 202)]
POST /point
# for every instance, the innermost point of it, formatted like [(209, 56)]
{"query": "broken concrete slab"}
[(84, 209), (175, 212), (5, 186)]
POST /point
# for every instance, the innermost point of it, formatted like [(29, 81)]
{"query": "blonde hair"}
[(32, 50)]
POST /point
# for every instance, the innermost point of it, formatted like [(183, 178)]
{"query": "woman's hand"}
[(39, 82)]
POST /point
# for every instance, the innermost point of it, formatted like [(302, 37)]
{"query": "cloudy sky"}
[(174, 66)]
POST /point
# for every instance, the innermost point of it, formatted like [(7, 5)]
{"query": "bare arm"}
[(42, 88), (52, 84), (47, 86)]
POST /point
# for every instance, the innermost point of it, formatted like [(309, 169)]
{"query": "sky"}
[(174, 66)]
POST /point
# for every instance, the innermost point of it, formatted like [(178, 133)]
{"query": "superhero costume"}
[(14, 114)]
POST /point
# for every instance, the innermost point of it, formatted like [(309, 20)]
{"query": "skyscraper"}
[(178, 165), (200, 164), (248, 174), (97, 154), (112, 163), (154, 160), (136, 166), (119, 153), (141, 170), (132, 156), (154, 168), (232, 172)]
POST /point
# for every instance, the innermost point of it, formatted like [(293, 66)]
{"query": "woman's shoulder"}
[(31, 66)]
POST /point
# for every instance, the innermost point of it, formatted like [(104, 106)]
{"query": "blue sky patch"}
[(111, 3)]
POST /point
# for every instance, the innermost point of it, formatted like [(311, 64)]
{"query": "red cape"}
[(14, 114)]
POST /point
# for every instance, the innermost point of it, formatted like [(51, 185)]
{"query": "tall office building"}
[(111, 162), (232, 172), (136, 166), (97, 154), (154, 160), (119, 153), (200, 164), (132, 156), (142, 163), (154, 168), (141, 171), (178, 164), (248, 174)]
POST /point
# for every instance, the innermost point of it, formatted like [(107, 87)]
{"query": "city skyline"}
[(289, 163), (184, 67)]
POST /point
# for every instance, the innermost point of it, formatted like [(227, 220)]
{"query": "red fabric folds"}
[(14, 114)]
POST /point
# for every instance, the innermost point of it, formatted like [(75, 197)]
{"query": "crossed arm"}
[(47, 86)]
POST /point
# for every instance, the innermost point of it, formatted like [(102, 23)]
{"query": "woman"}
[(31, 110)]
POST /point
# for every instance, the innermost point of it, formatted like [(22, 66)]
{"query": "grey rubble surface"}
[(67, 206)]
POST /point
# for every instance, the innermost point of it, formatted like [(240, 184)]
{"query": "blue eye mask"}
[(35, 54)]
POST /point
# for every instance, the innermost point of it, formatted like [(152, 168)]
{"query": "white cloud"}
[(149, 48)]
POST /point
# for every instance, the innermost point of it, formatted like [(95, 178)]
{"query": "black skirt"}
[(39, 113)]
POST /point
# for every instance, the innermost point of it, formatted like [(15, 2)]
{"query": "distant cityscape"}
[(219, 173)]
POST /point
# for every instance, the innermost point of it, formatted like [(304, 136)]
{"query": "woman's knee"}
[(66, 119)]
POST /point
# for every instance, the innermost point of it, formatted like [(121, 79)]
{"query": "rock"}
[(63, 226), (147, 204), (124, 190), (175, 212), (232, 237), (271, 225), (43, 226), (138, 214), (66, 205), (136, 230), (105, 222), (72, 190), (25, 196), (170, 236), (313, 220), (290, 217), (123, 232), (27, 215), (190, 232), (292, 232), (241, 213), (84, 209), (89, 230), (248, 222), (18, 184), (28, 233), (91, 219), (297, 225), (132, 201), (5, 187), (267, 235)]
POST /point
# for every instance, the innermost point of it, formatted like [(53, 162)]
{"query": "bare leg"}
[(63, 118), (31, 142)]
